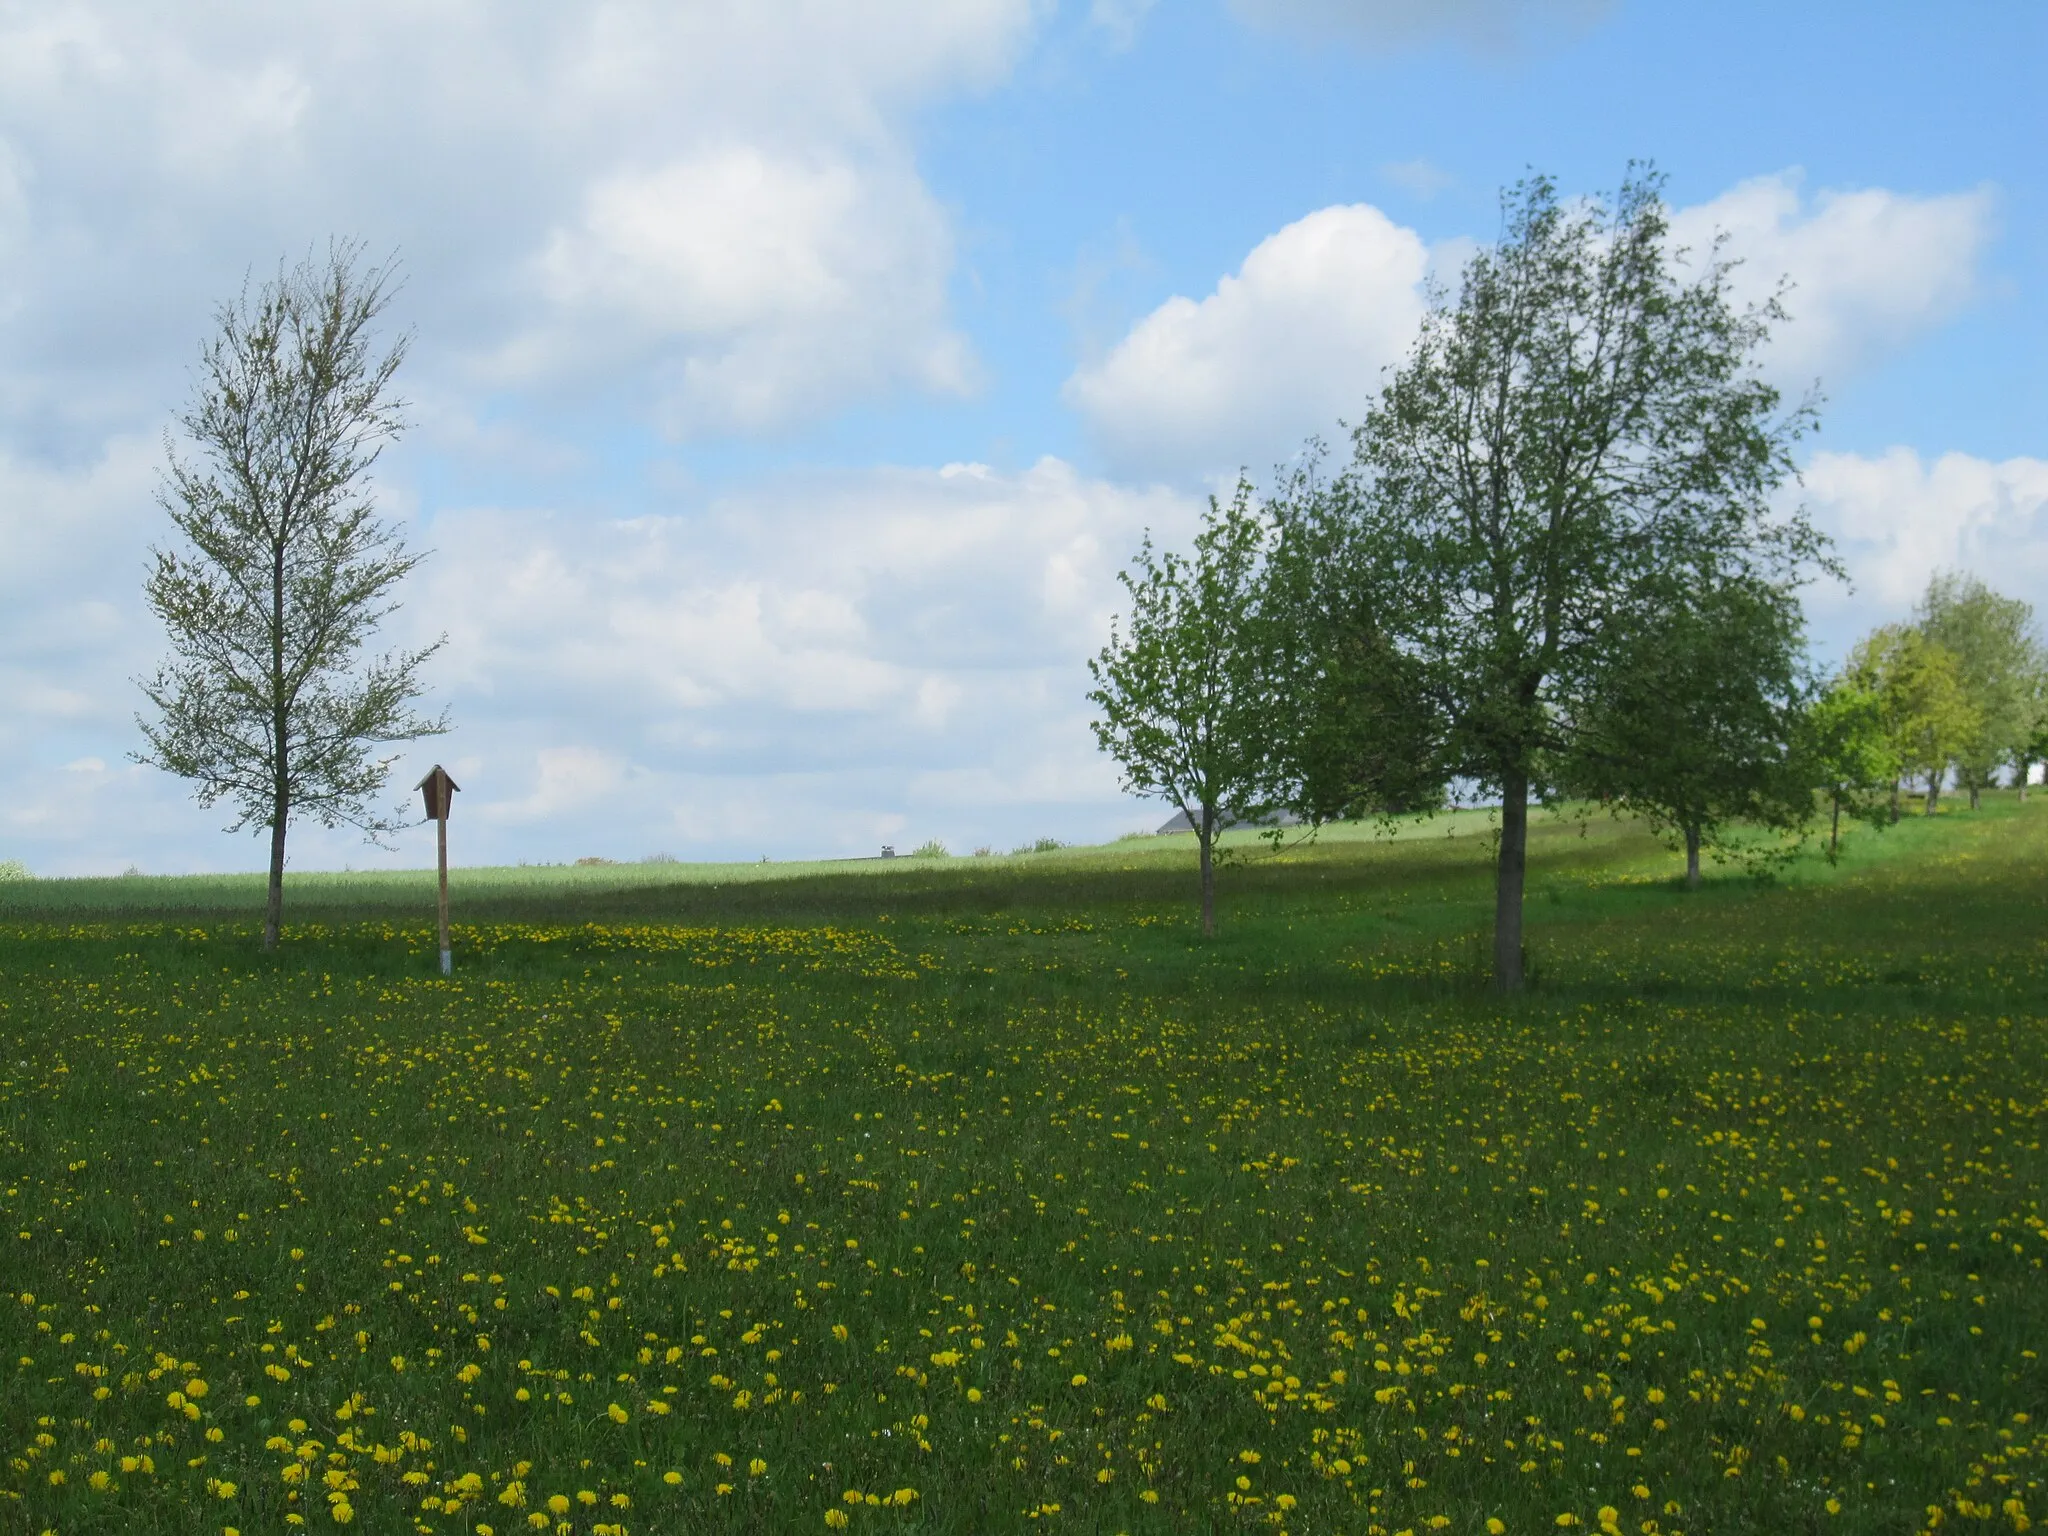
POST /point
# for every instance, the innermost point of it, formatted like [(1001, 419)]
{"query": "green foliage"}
[(1998, 662), (1581, 433), (1695, 720), (1921, 699), (284, 571), (1188, 685), (1850, 755), (1360, 734), (934, 849), (1751, 1182)]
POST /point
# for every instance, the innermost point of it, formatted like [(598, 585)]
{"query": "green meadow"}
[(980, 1195)]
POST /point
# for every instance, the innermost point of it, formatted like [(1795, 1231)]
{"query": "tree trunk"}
[(1895, 802), (1933, 792), (1509, 879), (1834, 828), (273, 908), (280, 733), (1973, 793), (1207, 840), (1692, 858), (2024, 767)]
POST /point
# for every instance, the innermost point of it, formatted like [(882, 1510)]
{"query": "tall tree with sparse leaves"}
[(1188, 683), (282, 570), (1581, 431)]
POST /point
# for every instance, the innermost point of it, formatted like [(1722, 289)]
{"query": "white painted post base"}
[(447, 963)]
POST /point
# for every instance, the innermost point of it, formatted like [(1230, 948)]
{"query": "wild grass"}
[(979, 1195)]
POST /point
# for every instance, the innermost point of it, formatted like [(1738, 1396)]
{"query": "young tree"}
[(285, 571), (1921, 702), (1850, 756), (1996, 654), (1188, 689), (1581, 433), (1694, 719)]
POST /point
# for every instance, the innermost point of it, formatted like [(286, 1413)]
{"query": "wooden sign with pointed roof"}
[(438, 790)]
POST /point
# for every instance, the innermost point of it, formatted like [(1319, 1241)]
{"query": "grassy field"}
[(978, 1195)]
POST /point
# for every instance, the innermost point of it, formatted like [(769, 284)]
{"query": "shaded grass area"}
[(980, 1195)]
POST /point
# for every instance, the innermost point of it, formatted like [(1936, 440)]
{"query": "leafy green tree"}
[(1361, 736), (1188, 683), (1695, 720), (1997, 657), (1921, 700), (1580, 433), (283, 571), (1852, 758)]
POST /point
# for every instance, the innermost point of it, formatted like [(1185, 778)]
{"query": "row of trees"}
[(1958, 695), (1554, 565)]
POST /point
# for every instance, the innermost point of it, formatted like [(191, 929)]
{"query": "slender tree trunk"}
[(1692, 858), (1933, 792), (2024, 767), (1508, 882), (1834, 828), (280, 778), (1895, 802), (1208, 844), (273, 907), (1973, 794)]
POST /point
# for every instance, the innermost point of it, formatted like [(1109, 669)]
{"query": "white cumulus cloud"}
[(760, 286), (1870, 269), (712, 210), (1897, 518), (1297, 337)]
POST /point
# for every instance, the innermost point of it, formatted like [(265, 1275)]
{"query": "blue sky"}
[(791, 378)]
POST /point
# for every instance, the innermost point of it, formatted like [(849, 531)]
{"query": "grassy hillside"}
[(979, 1195)]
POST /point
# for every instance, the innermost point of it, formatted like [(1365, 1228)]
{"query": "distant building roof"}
[(1182, 822)]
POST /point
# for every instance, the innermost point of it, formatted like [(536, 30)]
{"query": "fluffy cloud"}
[(823, 663), (1491, 25), (1897, 518), (1295, 338), (794, 283), (818, 664), (1871, 270), (1298, 338), (716, 204)]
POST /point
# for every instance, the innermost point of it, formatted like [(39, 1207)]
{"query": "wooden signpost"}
[(438, 790)]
